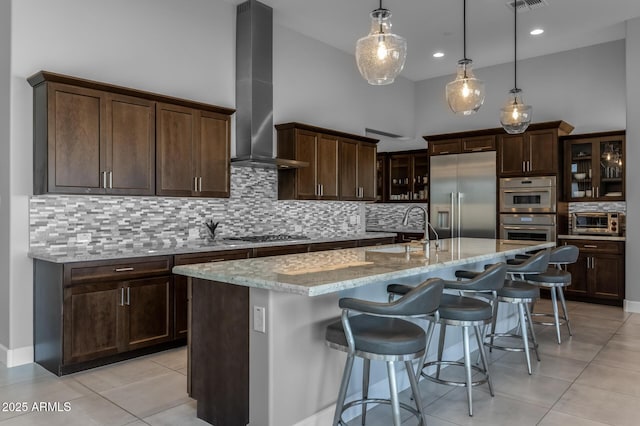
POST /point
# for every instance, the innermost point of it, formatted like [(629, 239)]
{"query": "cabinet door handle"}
[(200, 183), (128, 296), (122, 297), (127, 269), (597, 192), (590, 246), (477, 149), (593, 262), (443, 152), (104, 179), (216, 260), (110, 179), (195, 184), (321, 190), (588, 263)]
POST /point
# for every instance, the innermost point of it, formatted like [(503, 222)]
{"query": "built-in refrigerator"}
[(462, 195)]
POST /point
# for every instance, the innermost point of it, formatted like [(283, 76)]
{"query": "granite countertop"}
[(592, 237), (81, 253), (325, 272)]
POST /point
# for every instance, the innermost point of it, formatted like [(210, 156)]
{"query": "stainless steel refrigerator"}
[(462, 195)]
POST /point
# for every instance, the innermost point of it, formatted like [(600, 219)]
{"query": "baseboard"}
[(15, 357), (632, 306)]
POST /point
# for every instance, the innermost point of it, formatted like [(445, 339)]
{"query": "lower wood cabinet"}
[(598, 275), (91, 313)]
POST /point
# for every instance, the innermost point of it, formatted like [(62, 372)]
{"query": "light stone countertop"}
[(82, 253), (592, 237), (325, 272)]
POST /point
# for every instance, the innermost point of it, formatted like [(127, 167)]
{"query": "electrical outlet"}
[(353, 220), (83, 237), (259, 319)]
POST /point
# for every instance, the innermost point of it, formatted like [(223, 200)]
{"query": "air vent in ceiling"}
[(526, 5)]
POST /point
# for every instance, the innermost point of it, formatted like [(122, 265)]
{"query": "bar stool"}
[(465, 312), (520, 293), (555, 279), (380, 333)]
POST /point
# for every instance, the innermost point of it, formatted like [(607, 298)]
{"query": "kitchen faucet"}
[(427, 225)]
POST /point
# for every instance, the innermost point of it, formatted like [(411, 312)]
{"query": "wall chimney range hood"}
[(254, 89)]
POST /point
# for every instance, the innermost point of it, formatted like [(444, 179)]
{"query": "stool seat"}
[(519, 289), (379, 335), (469, 275), (399, 289), (552, 276), (460, 308)]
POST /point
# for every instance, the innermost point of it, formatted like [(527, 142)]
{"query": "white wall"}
[(5, 73), (584, 87), (632, 264), (319, 85)]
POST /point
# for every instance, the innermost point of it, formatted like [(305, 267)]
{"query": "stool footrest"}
[(357, 402), (494, 345), (561, 319), (452, 382)]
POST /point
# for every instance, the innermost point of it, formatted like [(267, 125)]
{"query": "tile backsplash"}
[(253, 208), (389, 215)]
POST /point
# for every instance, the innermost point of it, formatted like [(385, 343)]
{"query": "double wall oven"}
[(528, 208)]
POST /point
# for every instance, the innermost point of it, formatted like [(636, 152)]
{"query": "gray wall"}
[(5, 73), (632, 170)]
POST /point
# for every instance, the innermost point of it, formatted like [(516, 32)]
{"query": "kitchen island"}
[(256, 338)]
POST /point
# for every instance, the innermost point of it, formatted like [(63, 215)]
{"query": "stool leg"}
[(393, 391), (554, 302), (525, 338), (564, 309), (365, 387), (443, 329), (467, 367), (423, 358), (342, 395), (416, 391), (494, 319), (483, 357), (533, 332)]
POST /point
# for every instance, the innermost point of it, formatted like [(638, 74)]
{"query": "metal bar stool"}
[(555, 279), (465, 312), (380, 333), (521, 293)]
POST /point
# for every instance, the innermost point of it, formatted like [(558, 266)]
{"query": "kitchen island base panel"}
[(219, 352)]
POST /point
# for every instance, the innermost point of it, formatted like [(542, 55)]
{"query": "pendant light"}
[(515, 116), (465, 94), (381, 54)]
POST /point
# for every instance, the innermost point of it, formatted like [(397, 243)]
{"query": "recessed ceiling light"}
[(536, 31), (438, 55)]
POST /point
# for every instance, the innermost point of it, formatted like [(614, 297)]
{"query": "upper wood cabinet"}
[(532, 153), (408, 176), (594, 166), (461, 144), (341, 165), (97, 138), (92, 142), (193, 152)]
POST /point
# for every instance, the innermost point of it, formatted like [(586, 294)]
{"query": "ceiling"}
[(436, 25)]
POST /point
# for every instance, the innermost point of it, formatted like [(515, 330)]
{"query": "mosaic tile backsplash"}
[(253, 208), (389, 215)]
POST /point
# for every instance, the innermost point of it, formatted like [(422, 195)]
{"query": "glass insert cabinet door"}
[(409, 177), (595, 168)]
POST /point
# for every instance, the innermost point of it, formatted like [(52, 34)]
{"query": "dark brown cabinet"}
[(408, 176), (356, 176), (532, 153), (97, 138), (180, 282), (193, 152), (598, 275), (89, 313), (594, 167), (90, 141), (341, 165), (461, 144)]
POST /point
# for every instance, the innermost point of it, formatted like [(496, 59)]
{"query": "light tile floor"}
[(593, 378)]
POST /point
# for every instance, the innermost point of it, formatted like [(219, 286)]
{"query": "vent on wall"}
[(526, 5)]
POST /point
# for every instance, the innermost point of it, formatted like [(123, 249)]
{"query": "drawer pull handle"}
[(216, 260), (590, 246), (124, 269)]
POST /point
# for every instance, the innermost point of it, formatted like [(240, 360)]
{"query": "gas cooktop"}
[(268, 238)]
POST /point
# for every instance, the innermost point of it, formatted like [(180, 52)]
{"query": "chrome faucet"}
[(427, 226)]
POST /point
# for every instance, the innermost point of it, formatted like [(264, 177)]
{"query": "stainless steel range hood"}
[(254, 88)]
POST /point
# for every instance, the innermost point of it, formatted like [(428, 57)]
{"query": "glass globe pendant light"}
[(515, 116), (381, 54), (465, 94)]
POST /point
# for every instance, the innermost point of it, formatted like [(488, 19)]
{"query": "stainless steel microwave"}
[(528, 195), (598, 223)]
